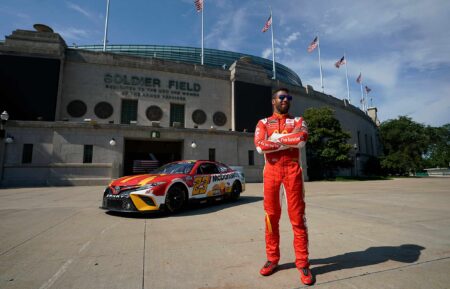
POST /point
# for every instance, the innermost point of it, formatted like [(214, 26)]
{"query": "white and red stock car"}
[(173, 185)]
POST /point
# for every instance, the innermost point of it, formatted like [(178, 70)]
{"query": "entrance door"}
[(142, 156)]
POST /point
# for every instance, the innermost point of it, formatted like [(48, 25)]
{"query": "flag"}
[(313, 45), (368, 89), (359, 79), (268, 23), (340, 62), (199, 5)]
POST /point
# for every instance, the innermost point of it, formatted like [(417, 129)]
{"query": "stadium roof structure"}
[(213, 57)]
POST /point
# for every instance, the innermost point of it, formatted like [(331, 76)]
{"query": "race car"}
[(172, 186)]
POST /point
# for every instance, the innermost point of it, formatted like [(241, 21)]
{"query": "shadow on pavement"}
[(406, 253), (191, 209)]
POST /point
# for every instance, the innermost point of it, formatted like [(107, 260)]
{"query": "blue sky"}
[(402, 47)]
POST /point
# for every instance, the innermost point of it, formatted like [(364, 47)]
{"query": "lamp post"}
[(4, 117), (193, 147), (9, 139)]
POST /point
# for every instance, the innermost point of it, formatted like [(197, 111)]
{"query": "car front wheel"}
[(236, 191), (175, 199)]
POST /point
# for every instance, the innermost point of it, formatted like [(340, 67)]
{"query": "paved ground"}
[(374, 234)]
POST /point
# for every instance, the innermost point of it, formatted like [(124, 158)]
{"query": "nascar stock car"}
[(171, 186)]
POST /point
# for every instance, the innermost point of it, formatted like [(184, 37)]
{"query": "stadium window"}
[(129, 111), (27, 153), (251, 158), (87, 154), (212, 154), (177, 114)]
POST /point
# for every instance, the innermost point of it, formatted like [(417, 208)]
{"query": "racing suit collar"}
[(281, 116)]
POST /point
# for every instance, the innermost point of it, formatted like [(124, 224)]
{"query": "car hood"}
[(141, 180)]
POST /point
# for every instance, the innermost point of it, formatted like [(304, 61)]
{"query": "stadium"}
[(81, 115)]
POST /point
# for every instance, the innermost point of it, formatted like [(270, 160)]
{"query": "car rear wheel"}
[(236, 191), (175, 199)]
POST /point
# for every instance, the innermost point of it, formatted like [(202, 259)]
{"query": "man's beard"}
[(283, 109)]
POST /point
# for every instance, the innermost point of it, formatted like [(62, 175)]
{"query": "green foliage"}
[(327, 148), (404, 142), (438, 154)]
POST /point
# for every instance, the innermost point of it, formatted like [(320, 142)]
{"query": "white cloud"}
[(266, 53), (72, 34), (294, 36), (83, 11), (226, 32)]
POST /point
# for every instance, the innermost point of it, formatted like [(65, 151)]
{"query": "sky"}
[(401, 47)]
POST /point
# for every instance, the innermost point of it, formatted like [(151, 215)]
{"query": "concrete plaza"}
[(371, 234)]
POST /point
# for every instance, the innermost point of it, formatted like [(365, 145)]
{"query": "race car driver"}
[(280, 137)]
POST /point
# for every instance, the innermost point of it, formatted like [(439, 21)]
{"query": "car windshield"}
[(174, 168)]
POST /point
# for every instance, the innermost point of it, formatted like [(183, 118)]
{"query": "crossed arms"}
[(277, 142)]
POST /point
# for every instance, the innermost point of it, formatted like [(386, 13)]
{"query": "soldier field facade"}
[(78, 115)]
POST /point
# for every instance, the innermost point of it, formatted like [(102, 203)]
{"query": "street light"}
[(193, 145), (4, 117), (112, 142)]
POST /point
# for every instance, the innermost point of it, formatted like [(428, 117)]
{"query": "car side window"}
[(222, 168), (207, 168)]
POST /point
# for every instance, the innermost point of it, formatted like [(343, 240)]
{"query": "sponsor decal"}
[(200, 185), (273, 121), (257, 132), (223, 177), (290, 121), (111, 196)]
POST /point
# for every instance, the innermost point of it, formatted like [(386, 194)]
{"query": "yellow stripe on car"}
[(130, 178), (146, 181), (141, 205)]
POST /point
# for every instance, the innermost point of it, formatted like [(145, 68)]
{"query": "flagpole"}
[(346, 76), (273, 48), (362, 97), (106, 26), (320, 64), (203, 8)]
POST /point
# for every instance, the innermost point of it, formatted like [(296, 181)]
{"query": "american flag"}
[(368, 89), (313, 45), (268, 23), (199, 5), (359, 79), (340, 62)]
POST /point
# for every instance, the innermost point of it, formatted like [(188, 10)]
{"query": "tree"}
[(327, 148), (438, 154), (404, 143)]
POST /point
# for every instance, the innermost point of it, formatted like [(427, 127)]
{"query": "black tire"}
[(236, 191), (175, 199)]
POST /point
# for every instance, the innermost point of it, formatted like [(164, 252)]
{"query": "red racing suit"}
[(279, 138)]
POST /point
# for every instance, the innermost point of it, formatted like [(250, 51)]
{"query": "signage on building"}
[(143, 86)]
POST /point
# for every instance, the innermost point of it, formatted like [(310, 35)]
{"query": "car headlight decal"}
[(149, 187)]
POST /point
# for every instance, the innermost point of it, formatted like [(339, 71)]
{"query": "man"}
[(280, 137)]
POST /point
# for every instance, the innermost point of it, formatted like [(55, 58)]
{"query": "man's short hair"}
[(274, 93)]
